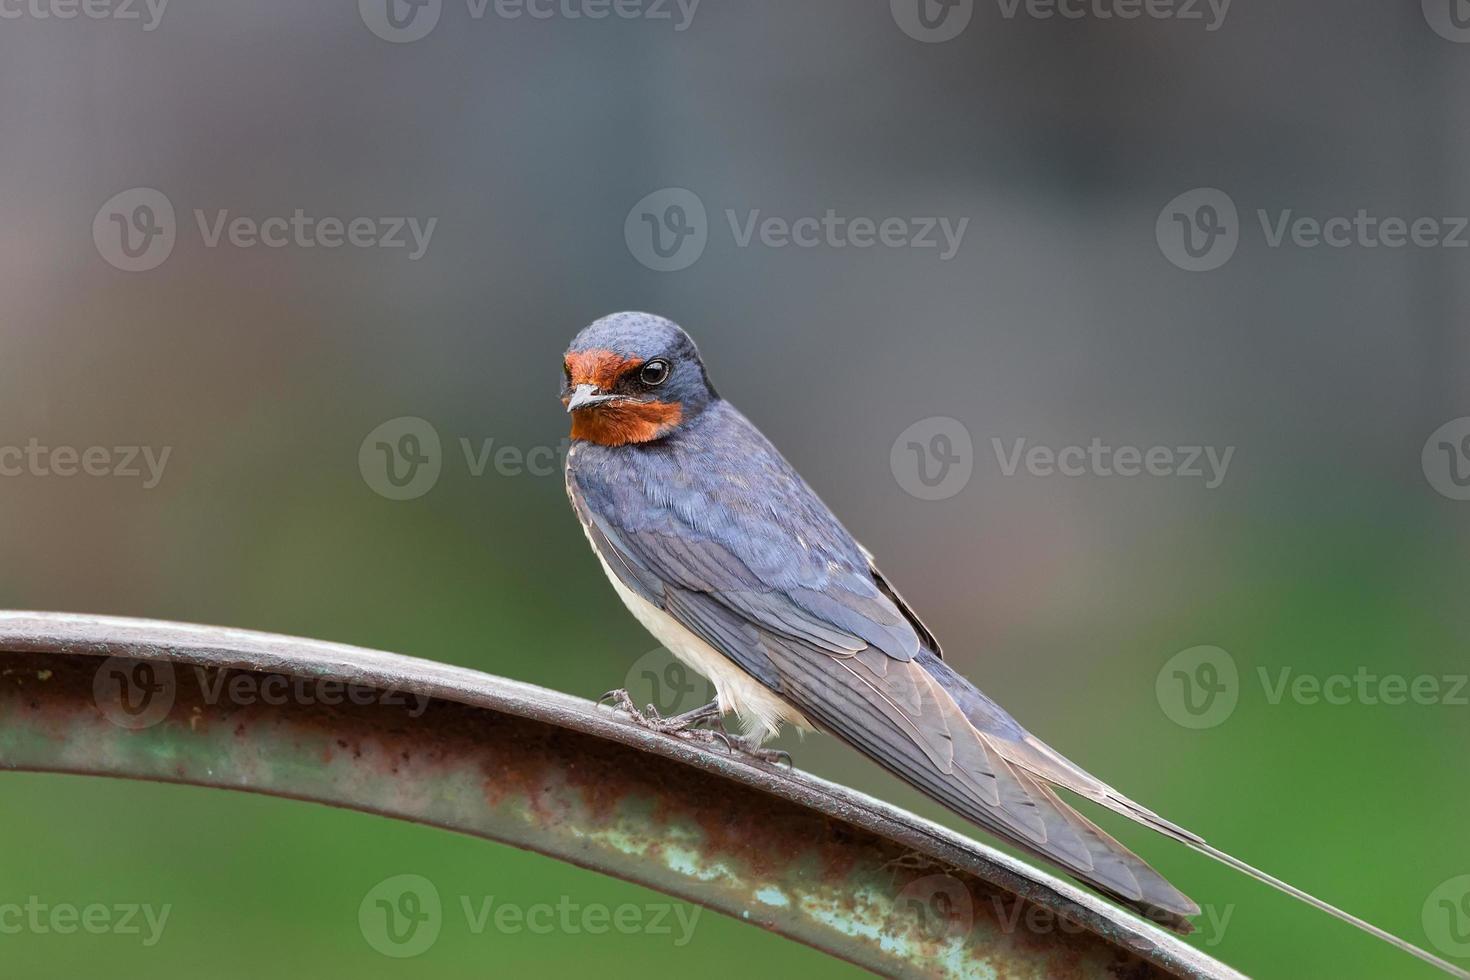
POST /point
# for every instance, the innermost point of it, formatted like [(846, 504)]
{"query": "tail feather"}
[(934, 729), (1042, 767), (1045, 763), (1331, 910)]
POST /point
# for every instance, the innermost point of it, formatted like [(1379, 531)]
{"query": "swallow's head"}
[(632, 378)]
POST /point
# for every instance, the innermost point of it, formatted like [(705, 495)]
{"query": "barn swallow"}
[(724, 553)]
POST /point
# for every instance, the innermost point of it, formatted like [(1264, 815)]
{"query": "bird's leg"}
[(687, 726), (692, 719)]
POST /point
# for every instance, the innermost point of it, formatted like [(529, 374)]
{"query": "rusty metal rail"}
[(458, 749)]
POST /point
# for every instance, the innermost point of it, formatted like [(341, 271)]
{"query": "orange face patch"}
[(620, 423), (600, 368)]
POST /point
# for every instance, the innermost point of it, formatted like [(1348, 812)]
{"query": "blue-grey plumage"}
[(723, 552)]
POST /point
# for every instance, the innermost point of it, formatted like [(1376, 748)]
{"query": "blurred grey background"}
[(1064, 315)]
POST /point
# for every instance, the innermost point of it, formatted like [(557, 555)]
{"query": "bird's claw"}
[(647, 716), (772, 757), (623, 701), (751, 748)]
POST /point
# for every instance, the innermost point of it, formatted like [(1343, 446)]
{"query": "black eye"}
[(654, 373)]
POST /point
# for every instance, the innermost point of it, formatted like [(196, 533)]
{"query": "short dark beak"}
[(585, 396)]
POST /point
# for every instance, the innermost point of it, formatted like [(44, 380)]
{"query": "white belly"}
[(760, 711)]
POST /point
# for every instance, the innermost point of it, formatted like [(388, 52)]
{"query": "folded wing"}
[(834, 640)]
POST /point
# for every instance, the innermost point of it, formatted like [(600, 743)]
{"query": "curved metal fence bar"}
[(466, 751)]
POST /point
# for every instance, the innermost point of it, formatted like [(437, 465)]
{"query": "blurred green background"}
[(1327, 549)]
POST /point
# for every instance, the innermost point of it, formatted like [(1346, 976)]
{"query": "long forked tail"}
[(931, 727), (1032, 754)]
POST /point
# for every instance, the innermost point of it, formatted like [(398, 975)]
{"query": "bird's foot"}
[(688, 725), (750, 745), (684, 726)]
